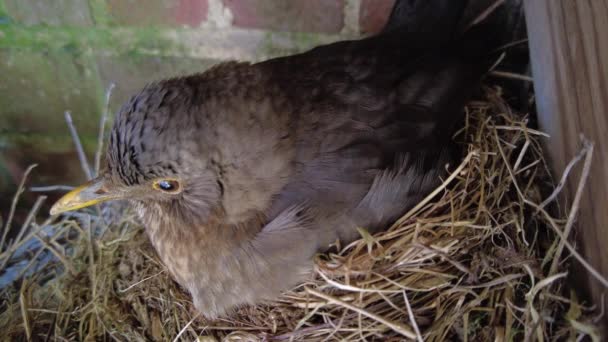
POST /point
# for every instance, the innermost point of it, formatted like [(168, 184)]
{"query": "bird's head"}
[(156, 157)]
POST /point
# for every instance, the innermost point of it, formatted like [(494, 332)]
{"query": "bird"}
[(241, 174)]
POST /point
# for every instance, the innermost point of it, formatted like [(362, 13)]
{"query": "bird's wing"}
[(363, 108)]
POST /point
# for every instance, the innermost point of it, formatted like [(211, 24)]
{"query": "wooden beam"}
[(569, 53)]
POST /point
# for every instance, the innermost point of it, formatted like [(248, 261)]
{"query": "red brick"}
[(190, 12), (374, 14), (289, 15), (158, 12)]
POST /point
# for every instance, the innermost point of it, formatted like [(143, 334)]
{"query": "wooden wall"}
[(569, 51)]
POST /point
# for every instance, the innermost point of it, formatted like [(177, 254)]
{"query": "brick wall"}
[(58, 55), (207, 30), (322, 16)]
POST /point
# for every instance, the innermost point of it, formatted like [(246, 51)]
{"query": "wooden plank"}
[(569, 52)]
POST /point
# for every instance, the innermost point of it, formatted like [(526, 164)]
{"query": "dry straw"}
[(484, 257)]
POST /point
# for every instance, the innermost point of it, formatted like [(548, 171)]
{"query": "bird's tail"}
[(437, 18), (494, 23), (463, 47)]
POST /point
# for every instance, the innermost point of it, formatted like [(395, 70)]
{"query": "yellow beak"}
[(86, 195)]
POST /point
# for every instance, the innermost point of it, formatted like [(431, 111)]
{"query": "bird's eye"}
[(166, 185)]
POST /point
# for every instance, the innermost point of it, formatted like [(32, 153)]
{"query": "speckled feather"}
[(277, 160)]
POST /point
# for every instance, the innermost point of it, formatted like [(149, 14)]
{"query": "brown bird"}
[(242, 173)]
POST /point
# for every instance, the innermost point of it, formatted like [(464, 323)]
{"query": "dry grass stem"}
[(11, 213), (79, 150), (102, 127)]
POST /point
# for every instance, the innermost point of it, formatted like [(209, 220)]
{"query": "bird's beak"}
[(90, 193)]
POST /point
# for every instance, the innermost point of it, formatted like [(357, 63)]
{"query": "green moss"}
[(4, 17), (110, 40), (285, 43), (99, 12), (157, 41)]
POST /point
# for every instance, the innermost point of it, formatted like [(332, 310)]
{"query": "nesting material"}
[(479, 259)]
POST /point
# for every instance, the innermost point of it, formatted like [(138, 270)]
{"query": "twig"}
[(400, 328), (352, 288), (564, 177), (495, 282), (514, 43), (520, 158), (59, 256), (92, 265), (181, 332), (588, 147), (543, 283), (5, 256), (445, 256), (440, 188), (102, 126), (24, 312), (30, 217), (51, 188), (81, 155), (600, 314), (511, 75), (140, 282), (574, 209), (483, 15), (299, 332), (32, 261), (410, 313), (20, 189), (522, 129)]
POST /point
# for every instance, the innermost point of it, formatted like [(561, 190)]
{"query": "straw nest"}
[(481, 258)]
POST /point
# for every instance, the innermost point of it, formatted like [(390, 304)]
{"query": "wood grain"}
[(569, 52)]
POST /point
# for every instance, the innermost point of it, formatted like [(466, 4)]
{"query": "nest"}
[(481, 258)]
